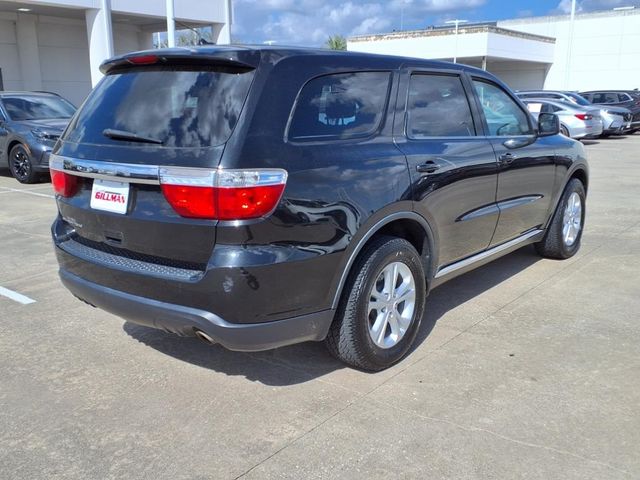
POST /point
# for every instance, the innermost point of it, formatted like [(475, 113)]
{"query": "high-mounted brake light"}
[(143, 59), (584, 116), (64, 184), (222, 194)]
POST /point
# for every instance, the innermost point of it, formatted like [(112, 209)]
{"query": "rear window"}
[(177, 106), (340, 106)]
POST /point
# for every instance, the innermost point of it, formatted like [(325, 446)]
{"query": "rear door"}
[(526, 163), (453, 169), (138, 122)]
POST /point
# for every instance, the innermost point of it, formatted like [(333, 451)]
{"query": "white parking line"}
[(16, 297), (28, 192)]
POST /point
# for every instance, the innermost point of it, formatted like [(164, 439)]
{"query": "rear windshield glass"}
[(177, 107), (579, 100), (38, 107)]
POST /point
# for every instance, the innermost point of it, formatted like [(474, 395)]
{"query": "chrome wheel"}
[(392, 302), (572, 219)]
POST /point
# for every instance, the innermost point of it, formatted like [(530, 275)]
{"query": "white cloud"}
[(311, 22), (590, 5)]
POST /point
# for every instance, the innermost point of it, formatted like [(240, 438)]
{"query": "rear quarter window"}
[(340, 106)]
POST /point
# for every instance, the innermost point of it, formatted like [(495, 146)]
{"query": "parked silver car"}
[(615, 120), (575, 121)]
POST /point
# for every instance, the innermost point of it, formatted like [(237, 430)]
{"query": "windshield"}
[(177, 106), (578, 99), (37, 107)]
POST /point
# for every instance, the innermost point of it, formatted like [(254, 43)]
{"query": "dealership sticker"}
[(110, 196)]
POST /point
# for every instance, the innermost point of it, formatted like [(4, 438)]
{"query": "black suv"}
[(259, 197)]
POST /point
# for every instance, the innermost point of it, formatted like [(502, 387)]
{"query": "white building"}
[(601, 50), (58, 45)]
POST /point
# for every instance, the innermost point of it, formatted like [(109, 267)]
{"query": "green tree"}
[(336, 42)]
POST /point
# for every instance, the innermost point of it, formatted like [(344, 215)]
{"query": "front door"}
[(526, 163)]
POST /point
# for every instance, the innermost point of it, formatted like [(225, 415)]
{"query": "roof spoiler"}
[(241, 59)]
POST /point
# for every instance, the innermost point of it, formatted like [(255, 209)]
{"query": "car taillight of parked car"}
[(64, 184), (222, 194), (584, 116)]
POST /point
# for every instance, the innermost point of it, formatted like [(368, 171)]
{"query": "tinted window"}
[(340, 106), (547, 108), (179, 107), (575, 98), (438, 107), (504, 116), (605, 98), (37, 107), (623, 97)]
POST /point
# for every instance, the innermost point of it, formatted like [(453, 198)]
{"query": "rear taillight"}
[(64, 184), (222, 194), (584, 116)]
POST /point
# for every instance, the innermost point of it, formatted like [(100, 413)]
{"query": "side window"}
[(438, 107), (623, 97), (610, 98), (340, 106), (504, 116)]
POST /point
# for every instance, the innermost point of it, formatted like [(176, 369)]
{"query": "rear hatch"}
[(154, 118)]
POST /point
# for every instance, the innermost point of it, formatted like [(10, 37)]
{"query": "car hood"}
[(50, 124)]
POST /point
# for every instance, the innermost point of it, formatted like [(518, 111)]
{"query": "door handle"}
[(428, 167), (507, 158)]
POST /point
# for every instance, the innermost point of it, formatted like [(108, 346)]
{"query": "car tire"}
[(563, 236), (564, 131), (21, 166), (370, 308)]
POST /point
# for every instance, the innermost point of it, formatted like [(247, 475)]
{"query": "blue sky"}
[(311, 22)]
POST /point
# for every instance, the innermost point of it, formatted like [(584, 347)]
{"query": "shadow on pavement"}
[(304, 362)]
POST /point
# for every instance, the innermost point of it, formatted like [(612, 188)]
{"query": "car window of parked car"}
[(340, 106), (605, 97), (504, 116), (548, 108), (34, 107), (623, 97), (438, 107)]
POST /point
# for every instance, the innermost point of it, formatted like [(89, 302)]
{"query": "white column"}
[(100, 37), (28, 52), (171, 25), (221, 32)]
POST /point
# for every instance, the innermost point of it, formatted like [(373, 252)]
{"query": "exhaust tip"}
[(204, 337)]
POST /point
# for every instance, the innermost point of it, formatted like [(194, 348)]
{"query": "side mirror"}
[(548, 124)]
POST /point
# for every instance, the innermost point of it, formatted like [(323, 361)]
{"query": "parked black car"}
[(259, 197), (30, 124), (623, 98)]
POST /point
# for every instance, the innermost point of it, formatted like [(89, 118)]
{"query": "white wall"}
[(64, 57), (605, 49), (9, 60)]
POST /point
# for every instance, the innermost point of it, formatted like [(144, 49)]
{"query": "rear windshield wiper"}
[(133, 137)]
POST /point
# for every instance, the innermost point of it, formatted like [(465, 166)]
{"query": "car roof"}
[(555, 101)]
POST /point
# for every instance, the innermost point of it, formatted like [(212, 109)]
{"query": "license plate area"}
[(110, 196)]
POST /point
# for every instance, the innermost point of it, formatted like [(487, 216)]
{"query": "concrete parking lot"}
[(525, 368)]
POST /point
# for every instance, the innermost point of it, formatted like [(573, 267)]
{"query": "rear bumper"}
[(183, 320)]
